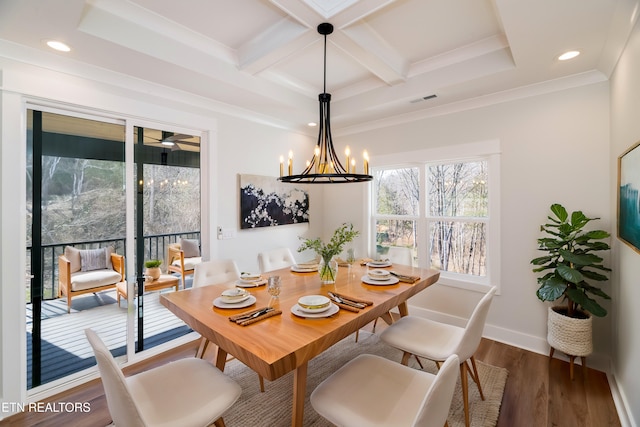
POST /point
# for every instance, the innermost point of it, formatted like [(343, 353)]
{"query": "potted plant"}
[(328, 267), (570, 262), (153, 268)]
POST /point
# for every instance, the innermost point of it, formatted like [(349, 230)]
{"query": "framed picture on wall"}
[(628, 197), (267, 202)]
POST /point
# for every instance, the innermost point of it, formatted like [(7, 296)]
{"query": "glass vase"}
[(328, 271)]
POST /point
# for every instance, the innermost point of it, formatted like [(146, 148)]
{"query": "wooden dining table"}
[(277, 345)]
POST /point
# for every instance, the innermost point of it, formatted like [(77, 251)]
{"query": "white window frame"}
[(488, 151)]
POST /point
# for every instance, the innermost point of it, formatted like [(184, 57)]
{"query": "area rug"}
[(273, 407)]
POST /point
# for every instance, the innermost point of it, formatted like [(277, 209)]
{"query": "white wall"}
[(248, 148), (625, 132), (554, 149)]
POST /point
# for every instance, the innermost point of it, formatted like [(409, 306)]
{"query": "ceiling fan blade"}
[(177, 137)]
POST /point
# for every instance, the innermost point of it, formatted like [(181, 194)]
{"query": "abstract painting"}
[(628, 201), (266, 202)]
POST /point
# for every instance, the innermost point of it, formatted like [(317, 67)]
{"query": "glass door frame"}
[(130, 200)]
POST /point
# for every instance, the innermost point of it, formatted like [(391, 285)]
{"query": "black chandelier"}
[(325, 166)]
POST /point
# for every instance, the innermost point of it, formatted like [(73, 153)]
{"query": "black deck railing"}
[(155, 247)]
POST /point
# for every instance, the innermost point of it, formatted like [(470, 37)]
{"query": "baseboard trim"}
[(598, 361)]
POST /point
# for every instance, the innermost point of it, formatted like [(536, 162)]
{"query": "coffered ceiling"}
[(385, 58)]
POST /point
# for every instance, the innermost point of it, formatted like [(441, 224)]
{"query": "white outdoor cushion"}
[(73, 255), (189, 263), (190, 247), (83, 280)]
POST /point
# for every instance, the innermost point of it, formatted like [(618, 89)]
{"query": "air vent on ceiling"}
[(424, 98)]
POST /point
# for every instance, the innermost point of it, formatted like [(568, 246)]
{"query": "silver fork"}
[(336, 298)]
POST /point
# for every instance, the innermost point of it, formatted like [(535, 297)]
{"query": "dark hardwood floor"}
[(538, 393)]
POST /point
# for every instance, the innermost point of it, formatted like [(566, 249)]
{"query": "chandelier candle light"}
[(325, 166)]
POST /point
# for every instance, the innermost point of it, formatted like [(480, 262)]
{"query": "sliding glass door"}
[(77, 204), (167, 169), (75, 201)]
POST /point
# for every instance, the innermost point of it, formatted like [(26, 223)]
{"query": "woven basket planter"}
[(570, 335)]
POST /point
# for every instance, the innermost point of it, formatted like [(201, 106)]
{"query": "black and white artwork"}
[(266, 202)]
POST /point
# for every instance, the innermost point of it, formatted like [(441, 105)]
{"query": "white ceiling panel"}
[(265, 57)]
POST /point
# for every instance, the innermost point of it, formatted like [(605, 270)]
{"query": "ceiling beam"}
[(372, 52), (273, 45)]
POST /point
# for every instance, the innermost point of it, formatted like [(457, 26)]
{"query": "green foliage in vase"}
[(152, 263), (570, 261), (343, 234)]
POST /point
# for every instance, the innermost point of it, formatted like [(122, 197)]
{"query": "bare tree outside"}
[(458, 203), (455, 213), (397, 197)]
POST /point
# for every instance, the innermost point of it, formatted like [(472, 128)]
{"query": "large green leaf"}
[(566, 229), (559, 211), (580, 259), (578, 220), (595, 246), (593, 290), (594, 276), (597, 234), (541, 260), (586, 303), (569, 274), (552, 289)]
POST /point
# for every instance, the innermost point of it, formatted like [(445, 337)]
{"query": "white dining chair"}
[(275, 259), (215, 272), (373, 391), (212, 273), (437, 341), (187, 392), (400, 255)]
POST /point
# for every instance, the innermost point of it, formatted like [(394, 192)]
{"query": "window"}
[(444, 212), (458, 203)]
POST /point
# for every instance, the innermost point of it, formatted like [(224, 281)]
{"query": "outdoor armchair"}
[(88, 271)]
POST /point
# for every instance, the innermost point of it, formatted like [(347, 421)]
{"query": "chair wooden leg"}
[(475, 376), (357, 334), (405, 358), (464, 382), (219, 422), (261, 380), (202, 348), (375, 322), (419, 362)]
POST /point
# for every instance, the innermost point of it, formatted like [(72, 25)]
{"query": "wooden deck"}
[(65, 349)]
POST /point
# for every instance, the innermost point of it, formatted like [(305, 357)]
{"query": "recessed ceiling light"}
[(62, 47), (569, 55)]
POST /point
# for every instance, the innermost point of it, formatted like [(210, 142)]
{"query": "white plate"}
[(314, 300), (302, 269), (253, 284), (246, 303), (390, 281), (235, 301), (377, 264), (378, 274), (333, 309)]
